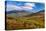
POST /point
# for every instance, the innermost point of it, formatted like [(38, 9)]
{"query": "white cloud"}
[(27, 6), (30, 4), (10, 7), (13, 7)]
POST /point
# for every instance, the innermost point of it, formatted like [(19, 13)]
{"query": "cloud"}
[(30, 4), (27, 6), (13, 7)]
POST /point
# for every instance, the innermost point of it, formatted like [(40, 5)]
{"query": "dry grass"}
[(25, 22)]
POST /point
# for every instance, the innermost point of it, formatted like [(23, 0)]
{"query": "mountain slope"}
[(37, 13), (26, 22), (18, 13)]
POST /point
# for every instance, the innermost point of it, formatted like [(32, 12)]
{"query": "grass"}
[(30, 22)]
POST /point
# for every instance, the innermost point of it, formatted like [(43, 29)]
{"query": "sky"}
[(27, 6), (24, 0)]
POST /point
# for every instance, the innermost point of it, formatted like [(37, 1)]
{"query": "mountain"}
[(14, 11), (23, 13), (18, 13), (40, 13)]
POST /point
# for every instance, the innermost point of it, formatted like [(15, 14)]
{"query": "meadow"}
[(25, 22)]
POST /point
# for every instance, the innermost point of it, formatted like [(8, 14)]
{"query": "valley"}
[(32, 21)]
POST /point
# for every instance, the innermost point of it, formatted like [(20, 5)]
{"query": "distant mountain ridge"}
[(24, 13), (38, 13), (14, 11)]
